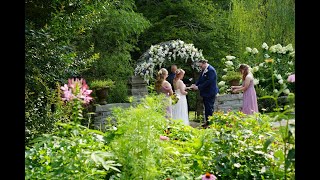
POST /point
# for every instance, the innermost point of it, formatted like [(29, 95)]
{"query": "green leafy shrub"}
[(98, 84), (140, 143), (42, 111), (136, 141), (232, 75), (73, 152)]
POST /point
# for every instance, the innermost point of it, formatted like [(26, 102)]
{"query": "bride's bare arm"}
[(182, 87)]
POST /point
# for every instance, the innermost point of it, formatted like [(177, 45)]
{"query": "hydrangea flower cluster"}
[(172, 50), (76, 89), (276, 55)]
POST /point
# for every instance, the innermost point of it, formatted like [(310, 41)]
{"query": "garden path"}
[(274, 124), (283, 122)]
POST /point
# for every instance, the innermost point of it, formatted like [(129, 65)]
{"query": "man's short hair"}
[(203, 61)]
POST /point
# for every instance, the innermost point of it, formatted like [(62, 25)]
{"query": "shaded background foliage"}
[(103, 39), (67, 42)]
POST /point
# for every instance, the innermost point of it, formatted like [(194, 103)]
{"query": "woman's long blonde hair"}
[(160, 78)]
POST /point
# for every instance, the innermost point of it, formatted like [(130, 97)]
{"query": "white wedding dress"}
[(180, 110)]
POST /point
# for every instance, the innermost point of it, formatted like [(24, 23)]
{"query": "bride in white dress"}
[(180, 110)]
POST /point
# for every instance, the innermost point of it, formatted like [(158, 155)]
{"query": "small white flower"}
[(255, 69), (292, 54), (263, 170), (99, 137), (279, 76), (230, 57), (286, 91), (278, 46), (229, 63), (255, 51), (206, 70), (275, 90), (265, 46), (273, 49), (290, 63), (261, 64), (280, 81), (223, 76), (237, 165), (283, 50), (266, 56), (289, 47), (225, 69), (255, 81), (248, 49), (221, 83)]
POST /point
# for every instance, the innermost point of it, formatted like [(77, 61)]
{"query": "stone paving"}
[(274, 124), (195, 124), (283, 122)]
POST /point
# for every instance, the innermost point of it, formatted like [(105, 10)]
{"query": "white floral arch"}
[(157, 56)]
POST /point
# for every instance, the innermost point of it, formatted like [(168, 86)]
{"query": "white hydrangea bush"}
[(271, 66)]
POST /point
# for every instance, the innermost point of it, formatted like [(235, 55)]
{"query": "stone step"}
[(283, 122)]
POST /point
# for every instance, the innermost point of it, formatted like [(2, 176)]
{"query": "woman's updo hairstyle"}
[(179, 72), (160, 78)]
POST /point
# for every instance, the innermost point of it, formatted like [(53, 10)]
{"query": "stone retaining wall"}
[(103, 111), (223, 103), (228, 102)]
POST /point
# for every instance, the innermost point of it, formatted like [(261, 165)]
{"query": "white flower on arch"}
[(157, 55)]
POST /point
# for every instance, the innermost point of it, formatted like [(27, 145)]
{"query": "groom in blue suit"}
[(208, 87)]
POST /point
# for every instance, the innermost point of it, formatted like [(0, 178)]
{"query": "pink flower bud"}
[(164, 138), (292, 78)]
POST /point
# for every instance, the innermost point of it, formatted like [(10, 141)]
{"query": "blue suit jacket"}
[(207, 83)]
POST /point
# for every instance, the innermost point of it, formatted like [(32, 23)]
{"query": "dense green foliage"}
[(201, 23), (235, 147), (103, 40), (71, 42), (256, 21)]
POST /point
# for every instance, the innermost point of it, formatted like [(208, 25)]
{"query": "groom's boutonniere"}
[(206, 70)]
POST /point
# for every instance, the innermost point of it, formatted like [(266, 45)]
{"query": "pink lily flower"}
[(76, 88)]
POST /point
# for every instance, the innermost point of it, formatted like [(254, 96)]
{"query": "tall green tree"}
[(203, 23), (64, 39), (114, 38), (256, 21)]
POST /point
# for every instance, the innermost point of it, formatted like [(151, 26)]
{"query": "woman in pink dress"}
[(249, 102), (163, 86)]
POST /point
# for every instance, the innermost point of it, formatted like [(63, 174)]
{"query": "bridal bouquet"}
[(175, 98)]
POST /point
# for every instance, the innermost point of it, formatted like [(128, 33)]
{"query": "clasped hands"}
[(234, 89), (192, 87)]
